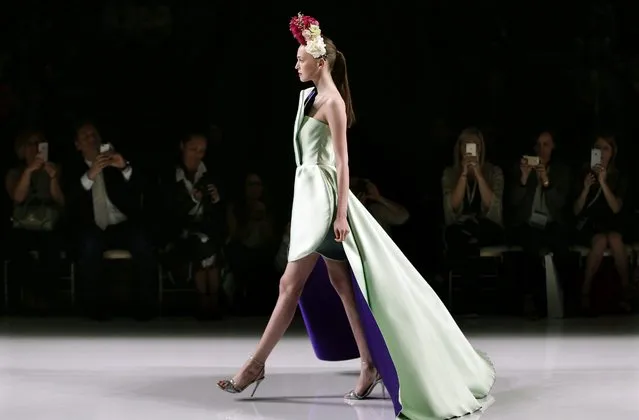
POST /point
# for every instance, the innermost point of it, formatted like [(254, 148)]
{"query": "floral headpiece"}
[(307, 32)]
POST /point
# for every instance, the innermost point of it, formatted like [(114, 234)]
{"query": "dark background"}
[(419, 71)]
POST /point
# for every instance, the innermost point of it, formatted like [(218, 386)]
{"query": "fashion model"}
[(399, 328)]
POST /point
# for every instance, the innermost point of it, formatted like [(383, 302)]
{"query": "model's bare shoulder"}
[(335, 103), (336, 114)]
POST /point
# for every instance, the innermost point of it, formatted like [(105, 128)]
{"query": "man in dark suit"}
[(104, 205)]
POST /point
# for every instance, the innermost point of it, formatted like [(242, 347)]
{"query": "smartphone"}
[(595, 157), (43, 150), (471, 149), (532, 160), (106, 147)]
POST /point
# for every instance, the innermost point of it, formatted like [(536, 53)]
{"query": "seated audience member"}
[(540, 189), (472, 194), (598, 208), (34, 188), (386, 212), (252, 244), (194, 223), (104, 204)]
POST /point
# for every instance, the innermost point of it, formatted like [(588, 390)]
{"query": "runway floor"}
[(71, 369)]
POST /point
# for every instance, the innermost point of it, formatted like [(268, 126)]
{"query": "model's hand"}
[(340, 227)]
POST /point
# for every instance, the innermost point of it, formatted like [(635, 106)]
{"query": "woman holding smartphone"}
[(598, 208), (34, 189), (473, 191)]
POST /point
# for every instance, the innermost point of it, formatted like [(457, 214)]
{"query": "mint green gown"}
[(428, 366)]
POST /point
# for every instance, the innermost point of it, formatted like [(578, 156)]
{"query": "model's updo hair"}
[(337, 64)]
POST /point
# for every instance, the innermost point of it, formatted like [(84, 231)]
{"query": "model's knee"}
[(340, 279), (341, 285), (290, 287)]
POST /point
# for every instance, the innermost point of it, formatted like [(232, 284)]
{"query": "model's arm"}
[(336, 117)]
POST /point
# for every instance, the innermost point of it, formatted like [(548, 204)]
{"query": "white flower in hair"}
[(312, 32), (316, 47)]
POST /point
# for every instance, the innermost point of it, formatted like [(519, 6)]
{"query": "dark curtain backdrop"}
[(419, 71)]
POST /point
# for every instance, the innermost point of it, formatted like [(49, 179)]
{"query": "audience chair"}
[(175, 288), (70, 278), (492, 252)]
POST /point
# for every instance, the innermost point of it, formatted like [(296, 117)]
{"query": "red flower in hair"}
[(300, 23)]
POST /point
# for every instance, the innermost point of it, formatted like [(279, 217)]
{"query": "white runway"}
[(71, 369)]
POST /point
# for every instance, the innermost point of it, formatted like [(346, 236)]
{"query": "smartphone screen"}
[(532, 160), (471, 149), (43, 150), (105, 147), (595, 157)]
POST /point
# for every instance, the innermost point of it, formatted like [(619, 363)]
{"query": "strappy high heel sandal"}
[(353, 395), (230, 386)]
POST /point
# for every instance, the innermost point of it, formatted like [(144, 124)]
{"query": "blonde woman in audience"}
[(472, 193), (473, 189)]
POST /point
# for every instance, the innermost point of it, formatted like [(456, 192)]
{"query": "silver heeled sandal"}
[(352, 395), (230, 386)]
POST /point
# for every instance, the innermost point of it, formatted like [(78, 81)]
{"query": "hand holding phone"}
[(213, 193), (101, 162), (589, 181)]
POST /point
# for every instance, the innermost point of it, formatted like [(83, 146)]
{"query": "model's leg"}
[(291, 286), (339, 274)]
